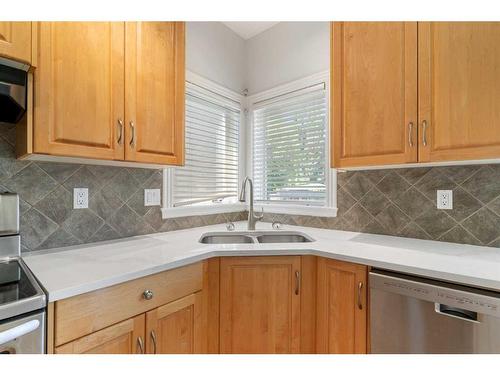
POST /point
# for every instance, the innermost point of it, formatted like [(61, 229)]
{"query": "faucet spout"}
[(252, 218)]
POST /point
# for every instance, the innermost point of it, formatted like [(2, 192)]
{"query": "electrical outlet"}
[(445, 199), (80, 198), (152, 197)]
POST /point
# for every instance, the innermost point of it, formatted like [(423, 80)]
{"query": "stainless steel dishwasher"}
[(416, 315)]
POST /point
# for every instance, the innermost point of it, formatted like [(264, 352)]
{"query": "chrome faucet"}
[(252, 218)]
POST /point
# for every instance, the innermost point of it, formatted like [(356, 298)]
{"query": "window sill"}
[(173, 212), (287, 209), (296, 209)]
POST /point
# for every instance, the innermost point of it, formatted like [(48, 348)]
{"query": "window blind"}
[(289, 154), (211, 148)]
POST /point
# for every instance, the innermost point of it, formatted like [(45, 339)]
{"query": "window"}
[(290, 150), (212, 154)]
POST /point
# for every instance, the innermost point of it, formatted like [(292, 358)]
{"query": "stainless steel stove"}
[(22, 300)]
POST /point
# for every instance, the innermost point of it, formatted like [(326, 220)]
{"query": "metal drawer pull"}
[(120, 131), (153, 339), (360, 288), (410, 134), (132, 128), (141, 344), (297, 282), (424, 133), (148, 294)]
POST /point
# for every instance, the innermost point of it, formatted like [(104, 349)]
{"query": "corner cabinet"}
[(376, 118), (16, 41), (110, 91), (260, 305), (342, 307)]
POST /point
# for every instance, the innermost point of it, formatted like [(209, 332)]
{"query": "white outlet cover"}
[(80, 198), (444, 199), (152, 197)]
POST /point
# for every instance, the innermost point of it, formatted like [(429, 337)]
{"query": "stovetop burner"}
[(14, 283)]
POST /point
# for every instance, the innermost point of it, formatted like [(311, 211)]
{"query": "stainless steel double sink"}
[(254, 237)]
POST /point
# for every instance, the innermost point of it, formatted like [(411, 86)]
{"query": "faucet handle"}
[(261, 216), (230, 226)]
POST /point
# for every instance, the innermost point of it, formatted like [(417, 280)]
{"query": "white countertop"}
[(70, 271)]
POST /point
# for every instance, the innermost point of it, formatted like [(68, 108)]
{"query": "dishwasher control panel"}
[(472, 299)]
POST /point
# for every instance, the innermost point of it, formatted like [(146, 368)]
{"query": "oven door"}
[(23, 335)]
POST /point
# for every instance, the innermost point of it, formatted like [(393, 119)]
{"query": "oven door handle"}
[(20, 330)]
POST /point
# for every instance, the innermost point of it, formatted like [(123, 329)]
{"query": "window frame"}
[(168, 210), (330, 207)]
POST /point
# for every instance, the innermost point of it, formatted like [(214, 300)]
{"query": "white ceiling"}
[(248, 30)]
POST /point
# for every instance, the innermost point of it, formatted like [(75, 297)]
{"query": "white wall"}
[(215, 52), (286, 52)]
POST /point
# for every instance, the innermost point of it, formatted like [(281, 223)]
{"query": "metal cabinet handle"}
[(360, 288), (120, 131), (148, 294), (132, 128), (424, 133), (297, 282), (141, 344), (153, 339), (410, 134)]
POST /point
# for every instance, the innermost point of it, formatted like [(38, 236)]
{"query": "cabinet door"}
[(260, 304), (15, 40), (126, 337), (459, 90), (374, 93), (155, 92), (79, 89), (341, 314), (177, 327)]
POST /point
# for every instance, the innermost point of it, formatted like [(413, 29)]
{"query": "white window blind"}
[(212, 127), (289, 151)]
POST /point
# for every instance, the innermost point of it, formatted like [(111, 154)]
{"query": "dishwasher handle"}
[(455, 312)]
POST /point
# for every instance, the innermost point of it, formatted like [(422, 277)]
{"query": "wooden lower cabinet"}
[(126, 337), (260, 304), (267, 304), (177, 327), (342, 307)]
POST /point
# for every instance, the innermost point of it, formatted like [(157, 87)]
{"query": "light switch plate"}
[(80, 198), (444, 199), (152, 197)]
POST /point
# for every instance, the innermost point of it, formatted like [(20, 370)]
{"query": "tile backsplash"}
[(402, 202), (116, 201), (399, 202)]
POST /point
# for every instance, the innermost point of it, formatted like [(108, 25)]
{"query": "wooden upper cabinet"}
[(15, 41), (260, 304), (176, 328), (155, 92), (374, 93), (79, 89), (459, 90), (341, 313), (126, 337)]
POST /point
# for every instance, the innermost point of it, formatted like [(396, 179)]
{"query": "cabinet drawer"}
[(81, 315)]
